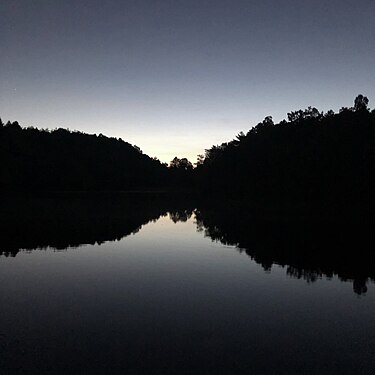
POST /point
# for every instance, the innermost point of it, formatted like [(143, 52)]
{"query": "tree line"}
[(43, 160), (311, 156)]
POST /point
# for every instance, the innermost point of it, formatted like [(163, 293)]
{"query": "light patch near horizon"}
[(175, 78)]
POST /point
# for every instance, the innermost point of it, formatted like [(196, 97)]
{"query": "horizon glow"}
[(176, 77)]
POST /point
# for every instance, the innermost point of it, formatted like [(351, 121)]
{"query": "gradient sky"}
[(176, 77)]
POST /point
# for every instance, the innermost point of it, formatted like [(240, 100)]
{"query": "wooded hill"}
[(32, 159), (312, 156)]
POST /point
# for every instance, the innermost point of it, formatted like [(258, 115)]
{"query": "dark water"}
[(164, 292)]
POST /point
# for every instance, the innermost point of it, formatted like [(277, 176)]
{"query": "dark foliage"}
[(32, 159), (312, 157), (181, 171)]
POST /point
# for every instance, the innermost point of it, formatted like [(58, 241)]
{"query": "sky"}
[(175, 77)]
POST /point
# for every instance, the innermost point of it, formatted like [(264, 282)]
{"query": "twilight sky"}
[(177, 76)]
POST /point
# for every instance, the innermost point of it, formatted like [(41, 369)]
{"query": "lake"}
[(167, 287)]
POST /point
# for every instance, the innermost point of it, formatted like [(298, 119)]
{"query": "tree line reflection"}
[(309, 247)]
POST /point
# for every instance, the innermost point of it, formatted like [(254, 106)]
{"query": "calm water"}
[(169, 299)]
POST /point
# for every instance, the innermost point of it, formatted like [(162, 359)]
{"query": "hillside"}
[(32, 159), (314, 156)]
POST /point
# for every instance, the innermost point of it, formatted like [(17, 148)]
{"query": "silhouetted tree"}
[(181, 172), (310, 159), (200, 159), (360, 103), (32, 159), (181, 164)]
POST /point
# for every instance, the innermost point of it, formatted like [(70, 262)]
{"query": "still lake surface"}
[(168, 298)]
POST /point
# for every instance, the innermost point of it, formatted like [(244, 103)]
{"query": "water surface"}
[(165, 297)]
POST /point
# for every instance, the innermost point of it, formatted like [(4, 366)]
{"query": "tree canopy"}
[(32, 159), (312, 156)]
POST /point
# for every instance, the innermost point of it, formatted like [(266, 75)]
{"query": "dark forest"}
[(311, 157)]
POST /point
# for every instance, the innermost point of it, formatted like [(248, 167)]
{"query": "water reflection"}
[(72, 220), (180, 215), (168, 300), (308, 247)]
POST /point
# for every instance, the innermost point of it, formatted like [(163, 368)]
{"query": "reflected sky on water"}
[(169, 299)]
